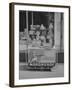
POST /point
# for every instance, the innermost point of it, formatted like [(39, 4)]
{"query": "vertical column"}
[(57, 33), (57, 30)]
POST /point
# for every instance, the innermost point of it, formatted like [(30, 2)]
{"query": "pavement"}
[(57, 71)]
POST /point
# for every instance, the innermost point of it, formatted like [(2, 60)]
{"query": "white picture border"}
[(16, 44)]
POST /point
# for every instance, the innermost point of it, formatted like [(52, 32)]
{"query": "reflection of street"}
[(57, 71)]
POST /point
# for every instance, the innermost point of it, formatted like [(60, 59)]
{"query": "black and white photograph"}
[(41, 44)]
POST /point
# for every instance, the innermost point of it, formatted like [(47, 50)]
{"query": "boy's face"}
[(33, 37), (38, 33), (37, 37)]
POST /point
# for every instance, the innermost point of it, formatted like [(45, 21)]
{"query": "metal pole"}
[(27, 34), (32, 18), (27, 20)]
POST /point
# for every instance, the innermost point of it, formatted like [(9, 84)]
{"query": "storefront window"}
[(39, 31)]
